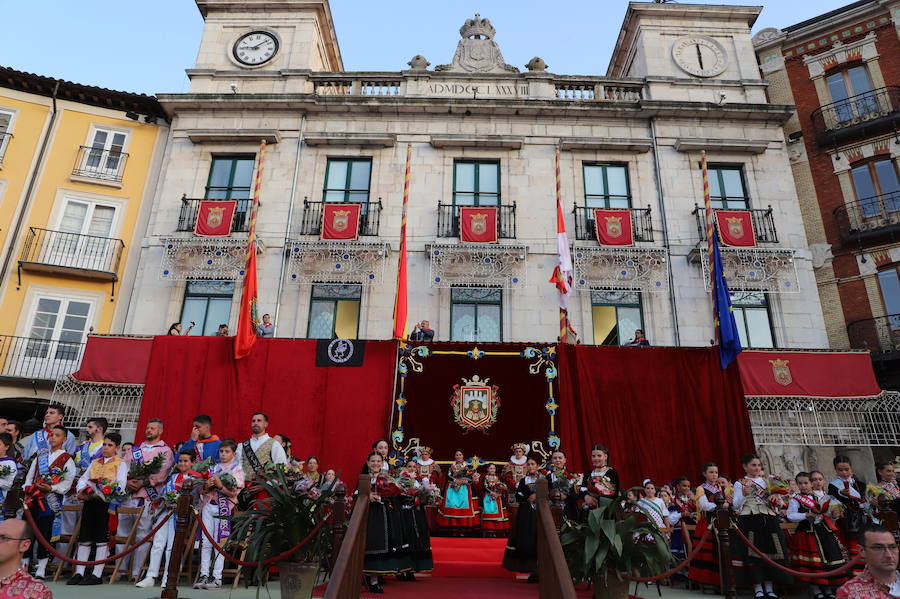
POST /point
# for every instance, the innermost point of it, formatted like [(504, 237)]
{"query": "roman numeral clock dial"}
[(255, 48), (700, 56)]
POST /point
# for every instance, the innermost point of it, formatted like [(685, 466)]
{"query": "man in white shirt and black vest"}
[(255, 453)]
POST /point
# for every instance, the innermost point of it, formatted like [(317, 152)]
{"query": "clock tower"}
[(681, 48), (256, 46)]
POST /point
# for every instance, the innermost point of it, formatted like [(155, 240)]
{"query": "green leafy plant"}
[(613, 541), (279, 522)]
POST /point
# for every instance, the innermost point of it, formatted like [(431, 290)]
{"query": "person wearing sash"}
[(851, 493), (165, 537), (758, 520), (814, 545), (94, 532), (520, 554), (49, 478), (8, 469), (652, 506), (704, 568), (255, 454), (145, 491), (202, 442), (494, 513), (84, 454), (887, 480), (219, 499), (52, 417)]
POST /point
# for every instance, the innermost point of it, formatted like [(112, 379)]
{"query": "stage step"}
[(468, 558)]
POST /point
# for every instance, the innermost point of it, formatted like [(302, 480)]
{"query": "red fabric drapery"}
[(334, 413), (663, 412), (799, 373), (115, 359)]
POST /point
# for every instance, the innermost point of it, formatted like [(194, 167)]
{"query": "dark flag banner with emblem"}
[(340, 221), (340, 352), (478, 224), (735, 228), (214, 218), (613, 227), (726, 326)]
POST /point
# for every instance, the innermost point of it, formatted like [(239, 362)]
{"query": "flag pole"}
[(401, 306), (248, 320), (563, 312), (710, 231)]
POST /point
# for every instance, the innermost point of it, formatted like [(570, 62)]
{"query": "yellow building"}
[(78, 171)]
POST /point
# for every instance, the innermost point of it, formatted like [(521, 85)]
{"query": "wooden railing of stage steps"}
[(555, 582), (347, 577)]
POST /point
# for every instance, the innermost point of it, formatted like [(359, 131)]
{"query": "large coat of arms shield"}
[(782, 372), (475, 404), (736, 227), (340, 220), (214, 217)]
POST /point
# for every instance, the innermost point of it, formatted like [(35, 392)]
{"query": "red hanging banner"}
[(340, 221), (478, 224), (799, 373), (214, 218), (735, 228), (613, 227)]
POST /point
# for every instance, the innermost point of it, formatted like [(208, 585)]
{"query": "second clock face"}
[(255, 48)]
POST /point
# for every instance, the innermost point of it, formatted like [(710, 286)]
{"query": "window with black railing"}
[(876, 210), (71, 251), (6, 119), (853, 112), (190, 209), (476, 183), (448, 220), (104, 159), (369, 218), (585, 223), (606, 186), (763, 223), (231, 178), (347, 180)]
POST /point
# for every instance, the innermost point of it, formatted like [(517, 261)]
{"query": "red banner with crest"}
[(735, 228), (340, 221), (478, 224), (613, 227), (804, 373), (214, 218)]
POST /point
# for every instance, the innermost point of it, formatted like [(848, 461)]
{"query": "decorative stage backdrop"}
[(334, 413), (480, 398), (663, 412)]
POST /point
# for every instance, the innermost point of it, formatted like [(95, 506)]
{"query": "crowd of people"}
[(836, 516)]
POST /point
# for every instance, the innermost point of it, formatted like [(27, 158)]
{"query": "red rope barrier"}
[(43, 541), (829, 574), (677, 568), (271, 560)]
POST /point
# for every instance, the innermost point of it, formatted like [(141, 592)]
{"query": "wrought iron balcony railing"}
[(38, 359), (5, 138), (100, 164), (763, 224), (641, 223), (448, 220), (864, 113), (190, 208), (880, 334), (58, 251), (869, 218), (369, 217)]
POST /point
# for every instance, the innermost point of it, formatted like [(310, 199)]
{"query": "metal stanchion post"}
[(723, 523), (182, 524)]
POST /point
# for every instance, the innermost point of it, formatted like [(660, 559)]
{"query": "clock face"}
[(700, 56), (255, 48)]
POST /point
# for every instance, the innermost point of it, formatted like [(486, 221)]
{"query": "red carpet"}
[(468, 558)]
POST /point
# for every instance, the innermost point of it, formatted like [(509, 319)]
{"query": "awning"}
[(806, 373), (115, 359)]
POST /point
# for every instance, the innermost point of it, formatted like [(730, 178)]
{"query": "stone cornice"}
[(350, 139), (602, 143), (199, 136), (493, 142), (737, 146)]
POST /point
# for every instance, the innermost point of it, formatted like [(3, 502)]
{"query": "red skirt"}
[(817, 551), (704, 568)]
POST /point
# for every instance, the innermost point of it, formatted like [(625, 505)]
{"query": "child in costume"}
[(851, 493), (494, 514), (704, 568), (521, 550), (219, 499), (459, 515)]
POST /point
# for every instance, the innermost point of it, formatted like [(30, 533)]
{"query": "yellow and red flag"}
[(248, 318), (401, 298)]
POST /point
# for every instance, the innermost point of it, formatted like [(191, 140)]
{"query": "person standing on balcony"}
[(422, 332), (223, 331), (38, 440), (639, 339), (146, 490), (175, 329), (267, 327)]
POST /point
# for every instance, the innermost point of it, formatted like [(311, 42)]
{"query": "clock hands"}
[(699, 56)]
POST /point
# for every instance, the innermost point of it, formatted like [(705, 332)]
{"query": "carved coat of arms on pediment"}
[(477, 52)]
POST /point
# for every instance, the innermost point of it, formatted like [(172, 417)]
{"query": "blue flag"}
[(726, 327)]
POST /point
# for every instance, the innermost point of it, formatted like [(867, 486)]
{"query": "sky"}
[(121, 44)]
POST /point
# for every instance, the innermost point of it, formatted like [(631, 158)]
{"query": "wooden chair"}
[(187, 557), (127, 541), (70, 540), (234, 570)]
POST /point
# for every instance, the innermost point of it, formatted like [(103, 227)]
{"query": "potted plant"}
[(613, 544), (285, 512)]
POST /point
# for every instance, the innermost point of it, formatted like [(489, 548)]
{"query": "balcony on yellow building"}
[(73, 254), (38, 359), (99, 165)]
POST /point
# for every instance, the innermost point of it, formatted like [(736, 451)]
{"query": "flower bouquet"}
[(430, 493), (602, 485), (5, 471), (54, 476), (109, 490), (407, 483), (170, 498), (386, 486), (562, 481), (145, 469), (460, 477), (203, 468), (228, 481), (777, 485)]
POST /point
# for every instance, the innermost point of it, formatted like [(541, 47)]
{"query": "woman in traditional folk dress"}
[(682, 510), (521, 550), (458, 515), (428, 468), (382, 448), (494, 495), (851, 493), (384, 555), (602, 481), (757, 519), (814, 545), (887, 480), (704, 568), (564, 486), (514, 470), (652, 506), (312, 471)]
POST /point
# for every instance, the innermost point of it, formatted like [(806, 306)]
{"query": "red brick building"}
[(842, 71)]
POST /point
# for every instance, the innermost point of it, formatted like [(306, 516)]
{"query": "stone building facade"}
[(482, 132), (841, 71)]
